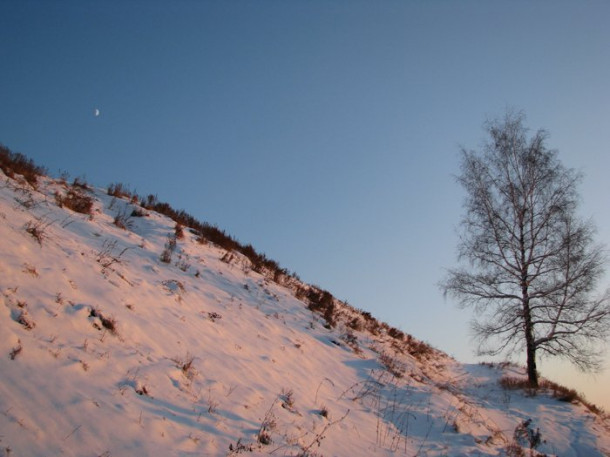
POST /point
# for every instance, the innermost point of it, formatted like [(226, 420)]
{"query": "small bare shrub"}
[(514, 450), (268, 424), (201, 238), (513, 383), (109, 255), (186, 365), (183, 263), (264, 437), (142, 390), (323, 302), (118, 190), (392, 365), (24, 320), (352, 341), (12, 163), (80, 183), (525, 435), (213, 316), (239, 447), (395, 333), (560, 392), (27, 201), (170, 247), (306, 451), (212, 403), (227, 258), (109, 323), (27, 268), (138, 212), (179, 231), (16, 350), (330, 316), (64, 176), (568, 395), (418, 349), (76, 200), (37, 228), (166, 256), (356, 324), (287, 396), (367, 322), (122, 220)]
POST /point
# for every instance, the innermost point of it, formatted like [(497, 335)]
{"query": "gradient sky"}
[(325, 133)]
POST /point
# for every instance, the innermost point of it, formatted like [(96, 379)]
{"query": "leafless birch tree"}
[(532, 265)]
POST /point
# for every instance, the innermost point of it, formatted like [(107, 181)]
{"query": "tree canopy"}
[(532, 266)]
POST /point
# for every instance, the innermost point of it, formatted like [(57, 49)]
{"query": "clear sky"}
[(325, 133)]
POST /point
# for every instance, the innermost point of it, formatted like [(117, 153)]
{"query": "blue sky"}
[(324, 133)]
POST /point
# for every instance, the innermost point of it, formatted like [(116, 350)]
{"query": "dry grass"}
[(16, 350), (396, 368), (25, 321), (37, 228), (186, 365), (109, 323), (558, 391), (119, 190), (76, 200), (15, 163)]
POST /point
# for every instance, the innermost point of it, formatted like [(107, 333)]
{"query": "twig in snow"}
[(72, 433), (320, 385)]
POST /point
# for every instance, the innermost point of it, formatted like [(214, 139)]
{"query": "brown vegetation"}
[(15, 163)]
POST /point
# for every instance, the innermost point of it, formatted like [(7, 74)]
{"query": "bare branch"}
[(532, 264)]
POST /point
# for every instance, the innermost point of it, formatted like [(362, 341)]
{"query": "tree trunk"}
[(532, 371), (528, 326)]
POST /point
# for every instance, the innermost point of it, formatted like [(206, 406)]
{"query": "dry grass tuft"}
[(558, 391)]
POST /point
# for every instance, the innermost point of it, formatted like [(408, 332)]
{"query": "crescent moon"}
[(97, 112)]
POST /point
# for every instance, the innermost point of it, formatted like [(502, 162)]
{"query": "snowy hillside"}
[(122, 335)]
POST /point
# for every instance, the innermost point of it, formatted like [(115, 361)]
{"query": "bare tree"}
[(533, 267)]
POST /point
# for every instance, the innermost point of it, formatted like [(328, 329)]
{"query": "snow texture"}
[(108, 351)]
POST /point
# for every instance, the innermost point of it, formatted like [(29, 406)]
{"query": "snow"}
[(128, 355)]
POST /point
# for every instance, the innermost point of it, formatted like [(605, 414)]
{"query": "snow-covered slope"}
[(106, 350)]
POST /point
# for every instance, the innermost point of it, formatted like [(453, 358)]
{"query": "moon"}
[(96, 112)]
